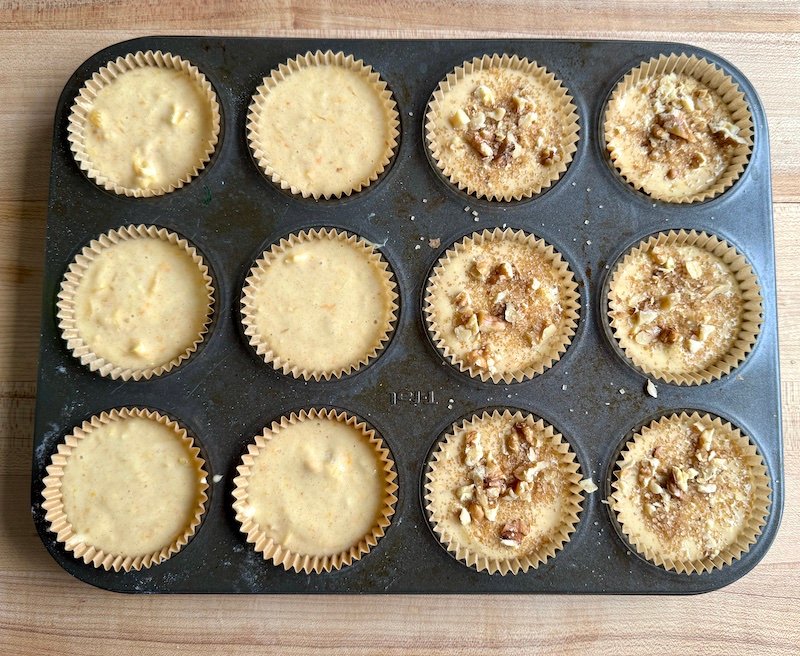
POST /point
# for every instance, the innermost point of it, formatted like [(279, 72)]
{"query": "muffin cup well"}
[(79, 117), (571, 508), (715, 79), (66, 306), (59, 522), (248, 304), (566, 109), (569, 297), (751, 318), (279, 554), (750, 531), (300, 62)]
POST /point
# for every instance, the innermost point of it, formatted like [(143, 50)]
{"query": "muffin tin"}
[(225, 394)]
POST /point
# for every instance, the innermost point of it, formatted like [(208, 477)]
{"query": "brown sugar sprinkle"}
[(690, 124), (693, 487), (507, 123), (681, 300), (509, 471), (512, 301)]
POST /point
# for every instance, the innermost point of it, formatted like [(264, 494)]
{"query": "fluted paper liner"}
[(716, 80), (60, 524), (259, 342), (751, 318), (570, 300), (320, 58), (66, 308), (750, 531), (111, 71), (571, 506), (281, 555), (569, 117)]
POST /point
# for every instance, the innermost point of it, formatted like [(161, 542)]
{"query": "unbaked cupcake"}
[(319, 304), (691, 493), (501, 128), (126, 489), (503, 491), (145, 124), (502, 305), (135, 303), (685, 307), (315, 491), (679, 129), (323, 125)]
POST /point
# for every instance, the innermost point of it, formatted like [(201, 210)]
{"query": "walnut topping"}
[(480, 358), (476, 511), (490, 324), (459, 119), (526, 432), (464, 517), (513, 532), (528, 473), (707, 488), (473, 449), (463, 300), (465, 492), (480, 269), (694, 269), (588, 485), (485, 94)]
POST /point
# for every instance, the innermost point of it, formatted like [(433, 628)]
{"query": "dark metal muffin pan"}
[(225, 394)]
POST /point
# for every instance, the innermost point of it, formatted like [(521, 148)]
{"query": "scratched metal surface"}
[(225, 394)]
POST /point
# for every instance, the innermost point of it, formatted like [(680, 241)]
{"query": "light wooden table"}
[(44, 611)]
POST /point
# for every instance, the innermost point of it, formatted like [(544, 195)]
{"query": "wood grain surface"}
[(44, 611)]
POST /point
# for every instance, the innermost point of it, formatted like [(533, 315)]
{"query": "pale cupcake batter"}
[(677, 309), (500, 488), (672, 135), (149, 129), (131, 487), (687, 492), (316, 487), (325, 130), (499, 306), (500, 132), (323, 305), (141, 303)]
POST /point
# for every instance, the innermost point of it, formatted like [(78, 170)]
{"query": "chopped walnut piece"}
[(513, 532), (680, 478), (526, 432), (668, 335), (588, 485), (476, 511), (707, 488), (465, 492), (464, 517), (485, 94), (480, 358), (503, 271), (459, 119), (463, 300), (676, 124), (480, 269), (473, 449), (694, 269), (490, 324)]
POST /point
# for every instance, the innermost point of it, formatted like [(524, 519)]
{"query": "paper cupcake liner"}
[(69, 287), (755, 522), (79, 116), (716, 80), (53, 502), (569, 297), (571, 506), (569, 115), (261, 345), (751, 308), (320, 58), (281, 555)]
